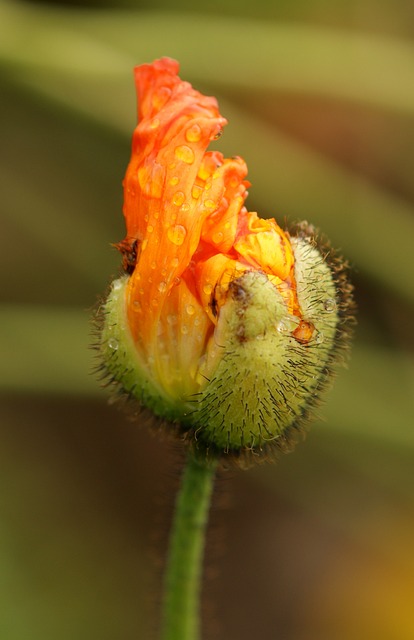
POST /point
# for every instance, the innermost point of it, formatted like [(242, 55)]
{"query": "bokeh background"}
[(319, 95)]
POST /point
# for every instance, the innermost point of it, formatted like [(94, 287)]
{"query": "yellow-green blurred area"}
[(319, 95)]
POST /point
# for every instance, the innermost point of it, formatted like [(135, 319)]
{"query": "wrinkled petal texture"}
[(188, 231)]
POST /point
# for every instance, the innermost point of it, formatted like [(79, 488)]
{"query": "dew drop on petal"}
[(329, 305), (190, 309), (174, 181), (162, 286), (136, 305), (196, 191), (160, 97), (193, 133), (150, 228), (209, 204), (177, 234), (175, 262), (184, 329), (155, 123), (208, 288), (218, 237), (178, 198), (113, 344), (171, 318), (184, 153)]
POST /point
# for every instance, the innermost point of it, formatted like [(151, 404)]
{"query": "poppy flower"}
[(223, 323)]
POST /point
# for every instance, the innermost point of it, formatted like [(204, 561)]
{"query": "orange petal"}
[(263, 245), (163, 213)]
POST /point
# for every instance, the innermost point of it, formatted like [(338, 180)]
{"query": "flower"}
[(223, 323)]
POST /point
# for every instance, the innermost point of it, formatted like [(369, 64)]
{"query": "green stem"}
[(184, 566)]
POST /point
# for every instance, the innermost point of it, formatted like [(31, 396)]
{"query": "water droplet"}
[(209, 204), (117, 285), (282, 327), (153, 265), (184, 153), (185, 207), (155, 123), (160, 97), (155, 302), (113, 344), (174, 181), (136, 305), (177, 234), (329, 305), (171, 318), (319, 337), (178, 198), (208, 288), (218, 134), (162, 286), (184, 329), (218, 237), (196, 191), (175, 262), (193, 133), (190, 309), (150, 228)]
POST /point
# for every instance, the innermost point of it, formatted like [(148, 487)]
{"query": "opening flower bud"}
[(223, 324)]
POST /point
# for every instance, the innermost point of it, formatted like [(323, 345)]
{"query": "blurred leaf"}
[(46, 349), (290, 57), (90, 72)]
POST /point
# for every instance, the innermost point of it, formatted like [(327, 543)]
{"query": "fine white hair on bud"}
[(270, 367), (264, 368)]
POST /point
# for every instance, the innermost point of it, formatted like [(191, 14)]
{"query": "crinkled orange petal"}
[(264, 245), (161, 211), (188, 231)]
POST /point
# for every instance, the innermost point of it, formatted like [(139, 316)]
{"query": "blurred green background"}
[(319, 95)]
